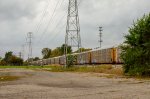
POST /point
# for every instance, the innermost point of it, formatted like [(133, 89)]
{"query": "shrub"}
[(70, 60), (136, 51), (3, 63)]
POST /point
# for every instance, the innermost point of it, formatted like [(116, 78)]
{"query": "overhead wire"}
[(38, 25), (63, 25), (50, 21), (57, 25), (56, 34), (42, 17)]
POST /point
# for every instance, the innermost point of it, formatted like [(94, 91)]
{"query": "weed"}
[(9, 78), (108, 69)]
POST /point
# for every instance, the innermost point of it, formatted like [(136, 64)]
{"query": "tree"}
[(56, 52), (136, 51), (69, 49), (60, 51), (7, 56), (46, 52), (1, 58), (11, 59), (36, 59), (3, 63), (70, 61), (83, 50), (15, 61)]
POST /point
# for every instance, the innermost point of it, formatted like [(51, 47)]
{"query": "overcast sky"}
[(18, 17)]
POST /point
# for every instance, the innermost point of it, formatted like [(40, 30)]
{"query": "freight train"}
[(99, 56)]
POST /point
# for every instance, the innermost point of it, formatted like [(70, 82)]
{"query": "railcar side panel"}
[(118, 55), (52, 61), (101, 56), (62, 60), (57, 61)]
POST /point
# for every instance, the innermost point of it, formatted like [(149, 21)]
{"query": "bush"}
[(3, 63), (16, 61), (136, 51), (71, 59)]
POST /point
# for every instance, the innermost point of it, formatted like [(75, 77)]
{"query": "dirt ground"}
[(49, 85)]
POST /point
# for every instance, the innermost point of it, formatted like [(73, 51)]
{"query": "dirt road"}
[(49, 85)]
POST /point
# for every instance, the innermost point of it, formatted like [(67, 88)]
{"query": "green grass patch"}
[(9, 78)]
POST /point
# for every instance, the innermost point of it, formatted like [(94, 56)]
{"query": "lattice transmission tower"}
[(29, 41), (73, 38), (100, 36)]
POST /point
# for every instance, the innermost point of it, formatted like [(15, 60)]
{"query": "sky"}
[(47, 19)]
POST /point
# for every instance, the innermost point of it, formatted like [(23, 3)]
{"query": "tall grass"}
[(108, 69), (9, 78), (95, 69)]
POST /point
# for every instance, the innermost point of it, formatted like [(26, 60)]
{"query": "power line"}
[(60, 22), (42, 18), (50, 21), (56, 27), (63, 27)]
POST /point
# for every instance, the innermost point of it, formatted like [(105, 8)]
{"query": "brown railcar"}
[(103, 56)]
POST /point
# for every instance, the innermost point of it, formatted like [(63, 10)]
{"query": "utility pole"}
[(72, 37), (100, 36), (29, 41)]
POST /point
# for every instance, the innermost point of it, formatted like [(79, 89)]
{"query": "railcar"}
[(47, 61), (40, 62), (118, 59), (99, 56), (57, 60), (52, 60), (103, 56), (84, 58), (44, 61), (62, 60)]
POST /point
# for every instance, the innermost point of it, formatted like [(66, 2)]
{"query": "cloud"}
[(18, 17), (115, 16)]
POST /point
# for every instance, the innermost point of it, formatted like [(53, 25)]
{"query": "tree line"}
[(59, 51), (11, 59)]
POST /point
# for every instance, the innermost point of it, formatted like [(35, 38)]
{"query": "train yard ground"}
[(52, 82)]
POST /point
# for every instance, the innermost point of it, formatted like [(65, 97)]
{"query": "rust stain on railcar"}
[(113, 55)]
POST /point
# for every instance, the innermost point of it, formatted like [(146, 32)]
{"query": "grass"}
[(108, 69), (9, 78)]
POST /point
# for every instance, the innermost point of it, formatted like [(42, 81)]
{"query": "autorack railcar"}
[(99, 56)]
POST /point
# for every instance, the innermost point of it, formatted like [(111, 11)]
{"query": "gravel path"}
[(48, 85)]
